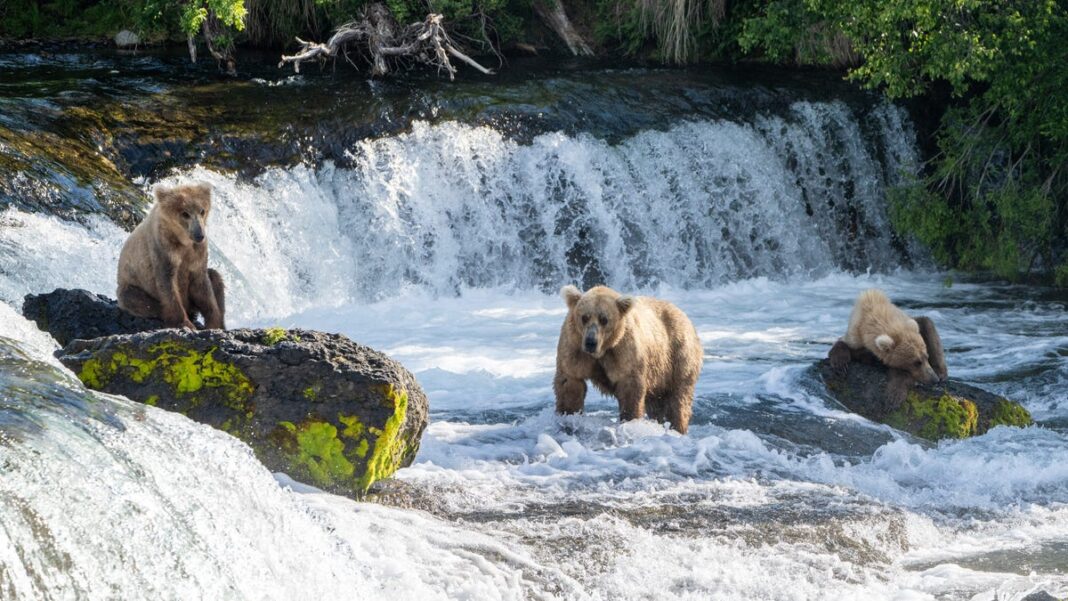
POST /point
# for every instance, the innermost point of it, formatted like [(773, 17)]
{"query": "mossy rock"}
[(949, 409), (319, 407)]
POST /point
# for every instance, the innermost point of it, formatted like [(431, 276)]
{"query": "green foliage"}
[(1060, 275), (790, 31), (230, 13)]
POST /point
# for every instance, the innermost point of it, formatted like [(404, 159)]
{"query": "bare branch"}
[(378, 36)]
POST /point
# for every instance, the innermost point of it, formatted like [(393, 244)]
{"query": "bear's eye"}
[(603, 320), (918, 363), (203, 212), (185, 214), (585, 318)]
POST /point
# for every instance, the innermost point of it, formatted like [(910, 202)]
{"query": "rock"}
[(949, 409), (126, 39), (71, 314), (319, 407)]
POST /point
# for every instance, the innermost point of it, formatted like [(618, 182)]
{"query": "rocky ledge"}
[(949, 409), (319, 407)]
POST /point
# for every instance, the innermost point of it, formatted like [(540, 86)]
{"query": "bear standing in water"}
[(643, 351), (163, 267)]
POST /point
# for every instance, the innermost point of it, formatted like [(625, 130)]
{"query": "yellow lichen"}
[(320, 452), (936, 418), (353, 426), (389, 449), (272, 336), (186, 369), (1008, 413)]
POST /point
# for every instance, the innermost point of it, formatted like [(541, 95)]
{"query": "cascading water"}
[(443, 245), (449, 207)]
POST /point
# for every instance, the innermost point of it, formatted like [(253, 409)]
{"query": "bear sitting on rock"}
[(163, 268), (643, 351)]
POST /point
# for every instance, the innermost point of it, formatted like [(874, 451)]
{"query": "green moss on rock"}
[(319, 452), (936, 418), (1008, 413), (389, 448), (186, 369), (272, 336)]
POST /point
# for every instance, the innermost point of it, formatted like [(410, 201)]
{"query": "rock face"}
[(321, 408), (949, 409), (71, 314), (126, 39)]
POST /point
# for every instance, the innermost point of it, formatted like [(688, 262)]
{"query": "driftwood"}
[(385, 42), (552, 14), (220, 47)]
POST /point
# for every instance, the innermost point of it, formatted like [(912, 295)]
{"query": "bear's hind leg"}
[(135, 300), (220, 291), (679, 408), (205, 292)]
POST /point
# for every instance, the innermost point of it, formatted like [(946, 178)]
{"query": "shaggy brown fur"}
[(643, 351), (163, 267), (892, 337)]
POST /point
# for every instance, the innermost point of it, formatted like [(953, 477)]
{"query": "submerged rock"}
[(949, 409), (319, 407), (71, 314)]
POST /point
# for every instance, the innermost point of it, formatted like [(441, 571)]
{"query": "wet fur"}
[(647, 355), (899, 381), (885, 331), (163, 272)]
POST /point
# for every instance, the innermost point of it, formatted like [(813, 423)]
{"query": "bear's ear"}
[(914, 325), (571, 295), (884, 342), (624, 304), (163, 194)]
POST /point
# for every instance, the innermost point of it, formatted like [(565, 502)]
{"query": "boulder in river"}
[(321, 408), (947, 409), (126, 39), (71, 314)]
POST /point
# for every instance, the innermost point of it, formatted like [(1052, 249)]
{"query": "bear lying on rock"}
[(883, 334), (643, 351)]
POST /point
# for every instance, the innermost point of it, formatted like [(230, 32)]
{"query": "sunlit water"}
[(443, 247)]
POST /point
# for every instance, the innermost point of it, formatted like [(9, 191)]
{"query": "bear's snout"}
[(196, 231), (589, 342), (929, 375)]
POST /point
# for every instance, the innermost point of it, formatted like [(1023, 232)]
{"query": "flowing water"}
[(443, 243)]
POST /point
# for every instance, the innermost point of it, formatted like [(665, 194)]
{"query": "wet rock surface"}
[(319, 407), (948, 409), (71, 314)]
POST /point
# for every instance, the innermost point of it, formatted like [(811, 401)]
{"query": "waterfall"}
[(447, 207)]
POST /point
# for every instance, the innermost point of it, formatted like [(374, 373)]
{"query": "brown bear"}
[(880, 330), (163, 267), (643, 351)]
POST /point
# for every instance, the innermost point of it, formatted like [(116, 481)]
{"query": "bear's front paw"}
[(840, 356)]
